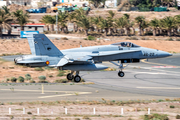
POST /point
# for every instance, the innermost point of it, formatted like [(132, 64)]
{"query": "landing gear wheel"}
[(70, 76), (121, 74), (77, 78)]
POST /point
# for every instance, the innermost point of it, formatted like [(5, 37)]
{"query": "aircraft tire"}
[(77, 78), (121, 74), (70, 77)]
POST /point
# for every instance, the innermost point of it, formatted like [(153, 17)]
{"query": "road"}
[(152, 79)]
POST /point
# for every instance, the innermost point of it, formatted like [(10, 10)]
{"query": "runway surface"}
[(152, 79)]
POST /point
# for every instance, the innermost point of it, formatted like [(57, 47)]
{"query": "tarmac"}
[(147, 80)]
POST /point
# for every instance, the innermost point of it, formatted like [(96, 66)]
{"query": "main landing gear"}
[(76, 78), (121, 67)]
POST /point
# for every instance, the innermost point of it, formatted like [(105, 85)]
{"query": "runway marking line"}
[(150, 73), (158, 88), (164, 66), (157, 63), (67, 93)]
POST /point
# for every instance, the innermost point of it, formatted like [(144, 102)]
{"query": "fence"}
[(39, 111)]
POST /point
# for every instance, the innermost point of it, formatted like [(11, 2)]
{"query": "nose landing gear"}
[(121, 74), (121, 67)]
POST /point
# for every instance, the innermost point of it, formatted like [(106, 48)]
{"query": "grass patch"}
[(64, 38), (50, 76), (29, 113), (13, 79), (27, 76), (42, 77), (3, 60), (42, 81), (169, 39), (132, 38), (82, 80), (155, 117), (171, 106), (48, 68), (20, 109), (61, 81), (94, 102), (86, 117), (177, 116), (32, 81), (61, 73), (91, 37), (20, 79), (38, 69)]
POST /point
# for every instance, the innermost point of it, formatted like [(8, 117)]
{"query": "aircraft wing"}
[(72, 59), (113, 53), (67, 59)]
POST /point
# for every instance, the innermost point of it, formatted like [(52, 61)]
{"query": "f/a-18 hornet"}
[(45, 53)]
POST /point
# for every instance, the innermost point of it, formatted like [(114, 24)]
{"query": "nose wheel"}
[(121, 74), (121, 67)]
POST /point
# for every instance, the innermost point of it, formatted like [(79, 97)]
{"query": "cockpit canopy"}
[(126, 44)]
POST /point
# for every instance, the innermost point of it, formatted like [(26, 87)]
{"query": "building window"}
[(29, 27), (35, 28), (15, 27)]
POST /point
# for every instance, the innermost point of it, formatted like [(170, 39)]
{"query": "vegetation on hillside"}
[(89, 25), (114, 26), (7, 18)]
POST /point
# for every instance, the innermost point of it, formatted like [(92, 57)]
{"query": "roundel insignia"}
[(47, 62)]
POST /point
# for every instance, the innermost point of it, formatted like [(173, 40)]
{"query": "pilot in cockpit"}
[(123, 44), (128, 44)]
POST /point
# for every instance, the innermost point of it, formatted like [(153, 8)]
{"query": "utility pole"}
[(115, 3), (56, 22)]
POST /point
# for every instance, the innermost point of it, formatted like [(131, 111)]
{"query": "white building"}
[(79, 3), (3, 3), (178, 2)]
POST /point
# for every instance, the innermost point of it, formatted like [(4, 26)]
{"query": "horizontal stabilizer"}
[(62, 62), (24, 62)]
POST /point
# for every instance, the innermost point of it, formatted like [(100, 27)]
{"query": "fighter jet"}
[(45, 53)]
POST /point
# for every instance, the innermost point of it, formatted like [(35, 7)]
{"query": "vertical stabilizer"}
[(41, 45)]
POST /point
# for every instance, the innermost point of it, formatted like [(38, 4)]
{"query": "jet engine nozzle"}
[(15, 61)]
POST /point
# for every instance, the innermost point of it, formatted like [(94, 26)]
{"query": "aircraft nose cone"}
[(170, 54), (164, 54)]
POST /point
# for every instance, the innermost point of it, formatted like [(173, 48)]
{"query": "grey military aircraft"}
[(45, 53)]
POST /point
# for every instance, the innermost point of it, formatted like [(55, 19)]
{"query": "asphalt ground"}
[(147, 80)]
